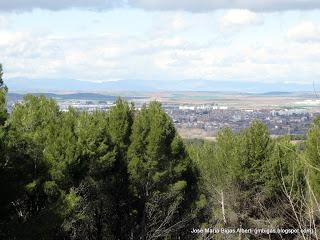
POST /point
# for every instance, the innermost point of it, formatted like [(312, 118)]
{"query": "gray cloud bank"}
[(207, 5), (186, 5), (28, 5)]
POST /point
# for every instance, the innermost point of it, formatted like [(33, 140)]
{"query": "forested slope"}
[(126, 174)]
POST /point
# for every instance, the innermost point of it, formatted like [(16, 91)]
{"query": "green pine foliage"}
[(250, 180), (3, 93), (127, 174), (30, 127), (162, 175), (313, 157)]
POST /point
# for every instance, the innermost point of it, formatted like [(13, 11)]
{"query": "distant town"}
[(204, 119)]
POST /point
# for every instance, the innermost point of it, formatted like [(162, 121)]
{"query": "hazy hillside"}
[(64, 85)]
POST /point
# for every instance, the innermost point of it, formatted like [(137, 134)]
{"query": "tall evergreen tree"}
[(3, 93), (216, 164), (5, 180), (162, 175), (253, 153), (313, 157), (93, 216), (284, 184), (102, 211), (31, 125), (312, 167), (119, 124)]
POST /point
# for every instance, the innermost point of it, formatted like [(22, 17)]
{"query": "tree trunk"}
[(99, 221), (222, 208), (143, 224)]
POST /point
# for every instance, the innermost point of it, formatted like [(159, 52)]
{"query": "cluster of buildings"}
[(86, 105), (212, 119)]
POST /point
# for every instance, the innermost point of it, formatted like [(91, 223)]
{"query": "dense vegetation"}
[(126, 174)]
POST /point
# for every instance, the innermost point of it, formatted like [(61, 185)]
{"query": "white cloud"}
[(42, 56), (271, 63), (10, 38), (239, 18), (179, 22), (4, 23), (304, 32), (170, 56), (170, 24)]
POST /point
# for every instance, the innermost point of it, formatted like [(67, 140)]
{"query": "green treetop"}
[(161, 173), (3, 93)]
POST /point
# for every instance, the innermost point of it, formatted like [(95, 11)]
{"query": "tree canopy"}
[(127, 174)]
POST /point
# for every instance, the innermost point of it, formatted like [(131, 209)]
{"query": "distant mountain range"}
[(71, 85), (73, 96)]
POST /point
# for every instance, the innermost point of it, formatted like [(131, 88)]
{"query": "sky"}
[(270, 41)]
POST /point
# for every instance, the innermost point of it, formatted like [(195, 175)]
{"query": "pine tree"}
[(312, 168), (284, 181), (102, 211), (119, 124), (6, 192), (30, 127), (93, 216), (255, 150), (3, 93), (161, 173), (255, 147), (313, 156)]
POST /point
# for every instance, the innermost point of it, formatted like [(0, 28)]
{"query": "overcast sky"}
[(106, 40)]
